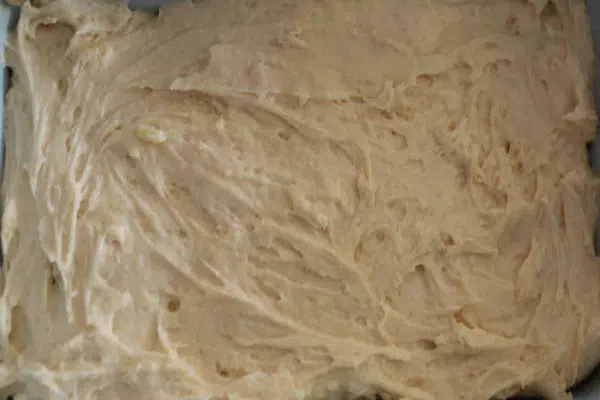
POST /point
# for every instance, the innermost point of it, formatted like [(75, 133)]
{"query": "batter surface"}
[(302, 199)]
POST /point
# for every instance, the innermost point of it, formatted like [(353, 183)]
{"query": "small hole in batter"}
[(230, 372), (400, 142), (589, 146), (224, 372), (356, 99), (550, 16), (510, 21), (420, 269), (425, 80), (62, 86), (53, 274), (562, 217), (173, 305), (427, 344), (284, 135), (182, 234), (116, 243), (386, 114), (415, 381), (519, 166), (447, 239), (76, 113), (507, 146)]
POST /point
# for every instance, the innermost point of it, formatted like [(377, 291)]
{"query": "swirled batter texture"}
[(302, 199)]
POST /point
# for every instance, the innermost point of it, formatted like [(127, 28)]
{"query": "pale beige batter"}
[(302, 199)]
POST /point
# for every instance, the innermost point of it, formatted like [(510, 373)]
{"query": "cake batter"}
[(301, 199)]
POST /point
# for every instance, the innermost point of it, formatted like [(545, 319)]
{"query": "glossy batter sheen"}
[(302, 199)]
